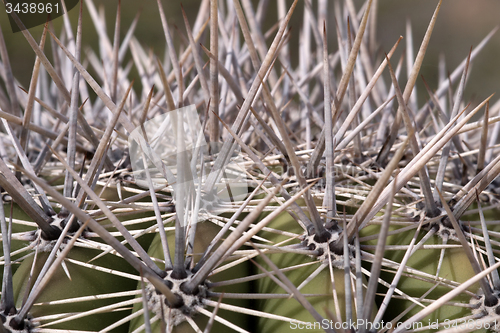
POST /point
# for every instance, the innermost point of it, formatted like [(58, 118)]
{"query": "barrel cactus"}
[(280, 188)]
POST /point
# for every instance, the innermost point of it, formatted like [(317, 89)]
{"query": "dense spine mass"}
[(279, 189)]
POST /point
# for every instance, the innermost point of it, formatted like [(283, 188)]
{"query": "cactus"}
[(253, 196)]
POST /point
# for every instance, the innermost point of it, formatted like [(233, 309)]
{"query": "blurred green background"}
[(461, 24)]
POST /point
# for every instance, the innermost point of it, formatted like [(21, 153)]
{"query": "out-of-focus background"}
[(461, 24)]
